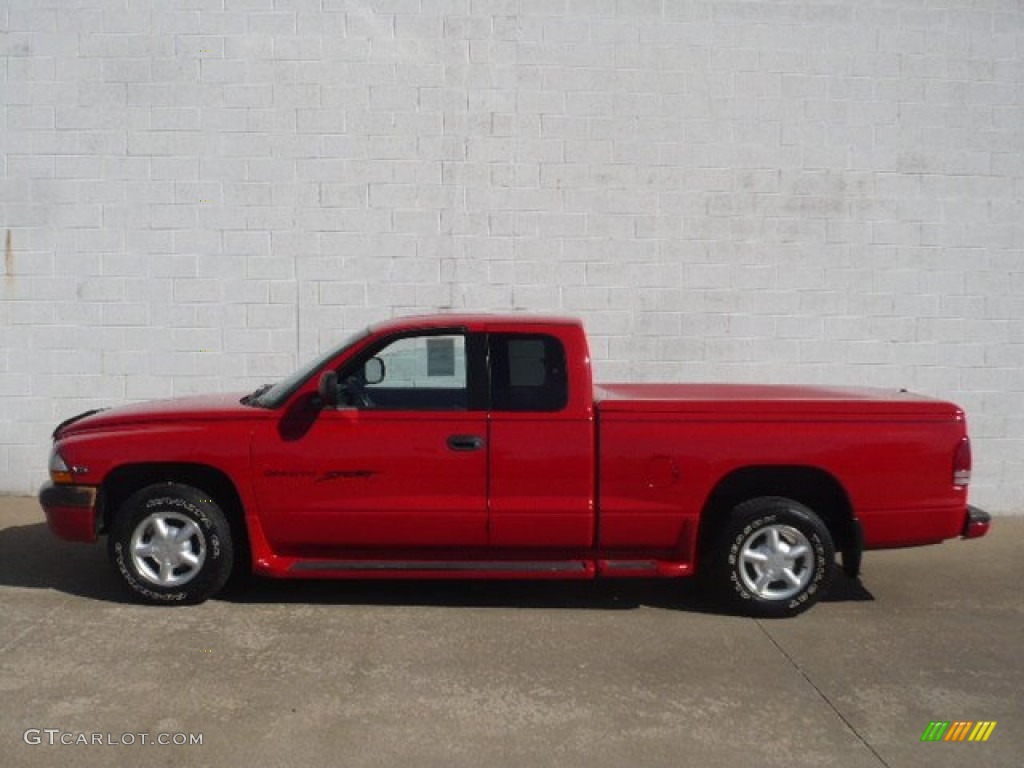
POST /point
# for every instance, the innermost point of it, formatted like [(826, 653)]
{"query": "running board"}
[(560, 567), (637, 569), (490, 569)]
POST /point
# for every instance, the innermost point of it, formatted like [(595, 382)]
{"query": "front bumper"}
[(976, 523), (70, 510)]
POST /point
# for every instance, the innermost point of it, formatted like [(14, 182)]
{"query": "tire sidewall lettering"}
[(128, 573)]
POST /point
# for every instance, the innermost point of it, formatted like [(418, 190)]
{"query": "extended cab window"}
[(528, 373), (425, 372)]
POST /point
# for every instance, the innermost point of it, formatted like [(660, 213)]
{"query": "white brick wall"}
[(196, 194)]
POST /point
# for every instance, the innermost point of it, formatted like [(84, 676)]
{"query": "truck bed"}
[(751, 400)]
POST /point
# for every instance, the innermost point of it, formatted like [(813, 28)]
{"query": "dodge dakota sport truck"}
[(476, 446)]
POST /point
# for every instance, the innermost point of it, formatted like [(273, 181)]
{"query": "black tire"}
[(171, 544), (774, 558)]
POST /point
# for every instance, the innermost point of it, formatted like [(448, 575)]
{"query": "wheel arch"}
[(124, 480), (812, 486)]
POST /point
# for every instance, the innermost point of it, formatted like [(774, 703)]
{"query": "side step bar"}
[(491, 569), (457, 566)]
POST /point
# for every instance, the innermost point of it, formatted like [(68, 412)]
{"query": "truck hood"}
[(774, 399), (225, 407)]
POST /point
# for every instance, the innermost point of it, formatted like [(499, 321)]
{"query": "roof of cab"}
[(471, 321)]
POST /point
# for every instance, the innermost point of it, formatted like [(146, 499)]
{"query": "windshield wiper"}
[(254, 396)]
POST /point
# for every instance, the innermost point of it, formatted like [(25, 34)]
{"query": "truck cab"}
[(448, 433)]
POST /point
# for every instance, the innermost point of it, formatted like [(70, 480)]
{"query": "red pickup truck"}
[(456, 446)]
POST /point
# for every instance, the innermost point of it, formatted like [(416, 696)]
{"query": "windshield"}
[(273, 396)]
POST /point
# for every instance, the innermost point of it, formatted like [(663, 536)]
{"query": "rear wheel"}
[(171, 544), (774, 558)]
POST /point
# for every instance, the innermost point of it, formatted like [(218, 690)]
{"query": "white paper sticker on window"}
[(441, 357)]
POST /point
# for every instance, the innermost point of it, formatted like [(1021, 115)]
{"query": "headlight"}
[(60, 472)]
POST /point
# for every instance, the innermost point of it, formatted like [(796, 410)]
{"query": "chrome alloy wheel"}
[(776, 562), (168, 549)]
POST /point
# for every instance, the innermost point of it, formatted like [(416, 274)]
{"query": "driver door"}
[(399, 465)]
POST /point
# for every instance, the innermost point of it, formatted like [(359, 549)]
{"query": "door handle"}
[(465, 443)]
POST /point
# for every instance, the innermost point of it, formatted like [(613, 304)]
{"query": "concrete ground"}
[(510, 674)]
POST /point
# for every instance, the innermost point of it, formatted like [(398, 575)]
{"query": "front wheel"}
[(775, 558), (171, 544)]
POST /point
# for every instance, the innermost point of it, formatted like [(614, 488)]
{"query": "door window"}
[(411, 373)]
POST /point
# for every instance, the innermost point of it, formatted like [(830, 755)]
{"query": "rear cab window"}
[(528, 373)]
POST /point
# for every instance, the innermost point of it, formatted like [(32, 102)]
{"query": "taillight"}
[(962, 462)]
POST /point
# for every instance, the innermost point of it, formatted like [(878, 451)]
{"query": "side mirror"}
[(374, 371), (327, 388)]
